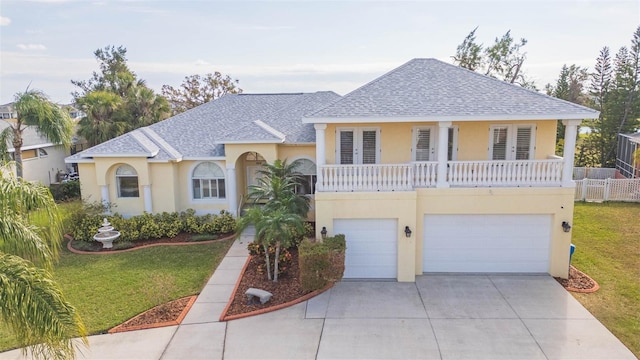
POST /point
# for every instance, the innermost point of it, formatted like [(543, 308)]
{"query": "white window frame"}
[(122, 176), (433, 142), (207, 199), (357, 143), (511, 140)]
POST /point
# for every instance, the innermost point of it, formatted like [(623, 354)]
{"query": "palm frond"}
[(34, 308)]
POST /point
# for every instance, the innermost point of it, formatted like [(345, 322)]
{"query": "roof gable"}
[(431, 90)]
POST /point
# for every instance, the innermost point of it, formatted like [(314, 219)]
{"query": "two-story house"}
[(428, 168)]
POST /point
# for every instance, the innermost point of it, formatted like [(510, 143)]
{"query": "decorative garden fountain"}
[(106, 234)]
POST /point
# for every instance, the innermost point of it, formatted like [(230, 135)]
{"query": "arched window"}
[(308, 180), (127, 181), (208, 181)]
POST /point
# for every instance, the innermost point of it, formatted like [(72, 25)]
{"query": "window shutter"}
[(369, 146), (423, 144), (346, 147), (499, 144), (523, 143)]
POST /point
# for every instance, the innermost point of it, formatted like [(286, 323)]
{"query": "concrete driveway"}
[(437, 317)]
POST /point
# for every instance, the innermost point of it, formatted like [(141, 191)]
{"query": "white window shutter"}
[(523, 143), (346, 147), (499, 137), (369, 146), (423, 144)]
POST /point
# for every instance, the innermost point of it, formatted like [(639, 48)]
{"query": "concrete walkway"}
[(437, 317)]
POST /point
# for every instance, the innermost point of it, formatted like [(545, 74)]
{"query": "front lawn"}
[(607, 239), (109, 289)]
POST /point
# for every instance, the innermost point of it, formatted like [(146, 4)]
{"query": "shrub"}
[(66, 191), (284, 262), (85, 221), (321, 263)]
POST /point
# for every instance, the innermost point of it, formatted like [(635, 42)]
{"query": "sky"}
[(290, 46)]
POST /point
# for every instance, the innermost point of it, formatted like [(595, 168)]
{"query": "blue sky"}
[(289, 46)]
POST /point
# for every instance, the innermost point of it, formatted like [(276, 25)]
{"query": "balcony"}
[(407, 177)]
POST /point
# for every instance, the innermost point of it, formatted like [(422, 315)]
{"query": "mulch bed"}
[(287, 289), (578, 282)]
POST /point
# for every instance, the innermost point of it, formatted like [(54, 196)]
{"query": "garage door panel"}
[(486, 243), (371, 247)]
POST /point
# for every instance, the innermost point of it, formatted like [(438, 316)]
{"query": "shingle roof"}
[(432, 89), (203, 131)]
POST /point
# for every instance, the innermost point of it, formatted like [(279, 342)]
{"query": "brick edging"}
[(178, 321), (81, 252), (224, 317)]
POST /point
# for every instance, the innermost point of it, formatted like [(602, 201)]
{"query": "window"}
[(425, 143), (29, 154), (127, 181), (307, 185), (358, 146), (512, 142), (42, 153), (208, 181)]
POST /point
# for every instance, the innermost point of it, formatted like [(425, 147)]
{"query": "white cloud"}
[(31, 47), (4, 21)]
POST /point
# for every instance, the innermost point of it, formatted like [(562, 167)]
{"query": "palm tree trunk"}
[(17, 153), (275, 262), (266, 254)]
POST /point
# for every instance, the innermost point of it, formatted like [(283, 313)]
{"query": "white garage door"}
[(371, 247), (486, 243)]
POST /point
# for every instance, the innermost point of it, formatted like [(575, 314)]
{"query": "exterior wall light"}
[(407, 231), (566, 227), (323, 232)]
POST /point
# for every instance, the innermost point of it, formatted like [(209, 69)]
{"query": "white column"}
[(320, 151), (148, 202), (104, 192), (443, 141), (570, 134), (232, 192)]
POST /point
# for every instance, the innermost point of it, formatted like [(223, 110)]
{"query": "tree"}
[(33, 306), (615, 87), (570, 87), (122, 101), (282, 216), (502, 60), (49, 120), (196, 90)]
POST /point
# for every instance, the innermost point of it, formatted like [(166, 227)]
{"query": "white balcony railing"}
[(505, 173), (378, 177), (403, 177)]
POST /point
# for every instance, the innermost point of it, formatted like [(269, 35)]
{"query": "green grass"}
[(607, 239), (109, 289)]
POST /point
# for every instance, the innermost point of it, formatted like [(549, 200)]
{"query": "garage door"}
[(371, 247), (486, 243)]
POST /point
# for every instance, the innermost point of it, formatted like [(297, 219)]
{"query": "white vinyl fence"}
[(608, 190)]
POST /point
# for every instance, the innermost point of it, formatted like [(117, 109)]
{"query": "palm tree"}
[(33, 306), (277, 228), (277, 184), (284, 213), (49, 120), (101, 123)]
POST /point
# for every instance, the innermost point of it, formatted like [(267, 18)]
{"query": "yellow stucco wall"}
[(89, 188), (410, 207), (473, 139)]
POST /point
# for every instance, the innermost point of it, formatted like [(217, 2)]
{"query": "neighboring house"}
[(628, 144), (429, 168), (42, 161)]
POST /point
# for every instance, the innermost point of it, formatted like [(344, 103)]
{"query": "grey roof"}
[(429, 88), (30, 137), (201, 132)]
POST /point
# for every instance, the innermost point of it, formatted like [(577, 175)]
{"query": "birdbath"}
[(106, 234)]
